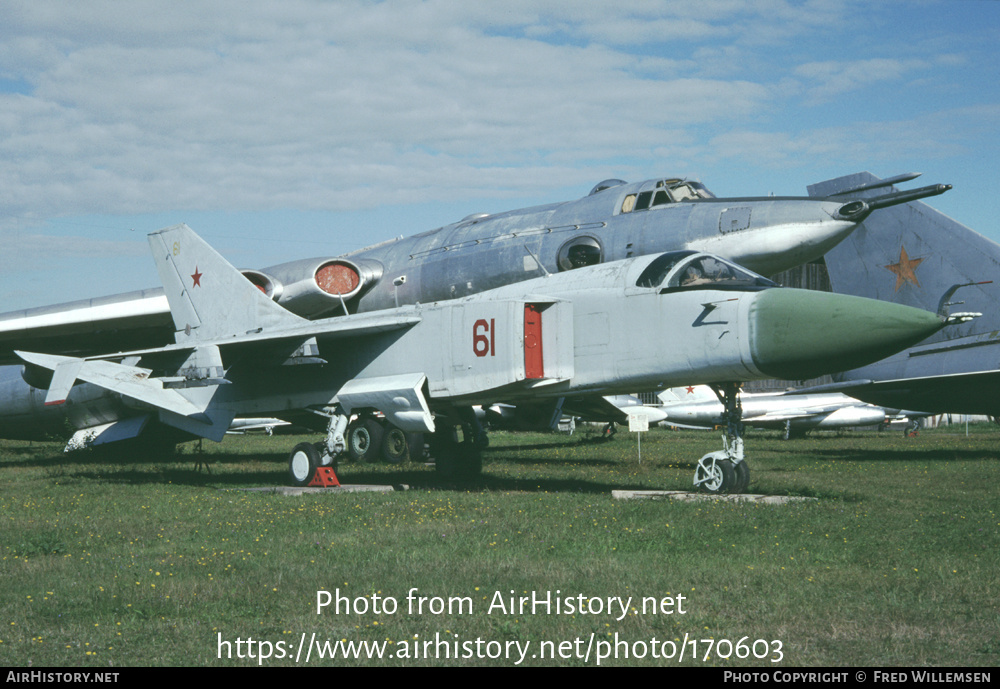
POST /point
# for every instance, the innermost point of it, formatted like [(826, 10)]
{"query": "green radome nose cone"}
[(797, 334)]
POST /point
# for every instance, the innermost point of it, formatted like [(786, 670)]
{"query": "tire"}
[(455, 461), (364, 440), (302, 464), (418, 446), (742, 470), (722, 480), (394, 449)]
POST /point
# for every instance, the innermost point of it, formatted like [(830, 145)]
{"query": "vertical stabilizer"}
[(686, 395), (913, 254), (208, 297)]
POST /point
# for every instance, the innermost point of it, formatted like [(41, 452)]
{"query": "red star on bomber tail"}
[(954, 371), (904, 270)]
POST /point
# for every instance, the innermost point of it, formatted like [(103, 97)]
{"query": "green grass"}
[(106, 562)]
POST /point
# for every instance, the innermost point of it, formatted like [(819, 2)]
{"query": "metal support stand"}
[(325, 477)]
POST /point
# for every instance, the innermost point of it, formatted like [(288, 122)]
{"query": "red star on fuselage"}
[(196, 277)]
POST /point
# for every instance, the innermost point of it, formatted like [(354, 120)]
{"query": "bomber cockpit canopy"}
[(664, 192), (606, 184), (683, 270)]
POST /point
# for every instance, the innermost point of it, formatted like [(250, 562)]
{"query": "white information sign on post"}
[(638, 422)]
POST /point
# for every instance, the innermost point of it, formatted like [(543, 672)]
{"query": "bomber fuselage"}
[(481, 252)]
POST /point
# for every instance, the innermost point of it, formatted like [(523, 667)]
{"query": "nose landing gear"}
[(726, 470)]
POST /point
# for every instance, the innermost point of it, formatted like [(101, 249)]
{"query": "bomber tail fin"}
[(208, 297), (912, 254)]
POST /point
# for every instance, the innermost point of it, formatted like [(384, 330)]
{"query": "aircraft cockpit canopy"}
[(606, 184), (665, 192), (682, 270)]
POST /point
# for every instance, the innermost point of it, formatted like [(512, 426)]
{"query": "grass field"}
[(106, 563)]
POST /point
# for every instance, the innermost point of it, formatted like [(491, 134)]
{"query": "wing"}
[(957, 393), (132, 320)]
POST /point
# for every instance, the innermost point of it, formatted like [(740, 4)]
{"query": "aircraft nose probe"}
[(859, 209)]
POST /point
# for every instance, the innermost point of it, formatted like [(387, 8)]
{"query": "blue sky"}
[(285, 130)]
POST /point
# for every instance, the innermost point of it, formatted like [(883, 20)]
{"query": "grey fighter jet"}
[(615, 221), (648, 322), (794, 413), (912, 254)]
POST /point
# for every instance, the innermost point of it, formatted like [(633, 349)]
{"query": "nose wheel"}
[(726, 470)]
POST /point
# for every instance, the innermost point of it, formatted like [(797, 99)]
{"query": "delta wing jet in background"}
[(615, 221), (915, 255), (642, 323)]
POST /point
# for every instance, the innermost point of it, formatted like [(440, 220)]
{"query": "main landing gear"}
[(726, 470), (371, 439), (366, 439), (456, 445), (307, 459)]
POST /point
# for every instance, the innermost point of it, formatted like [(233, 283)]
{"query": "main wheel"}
[(721, 478), (418, 446), (302, 463), (455, 461), (742, 470), (394, 446), (364, 439)]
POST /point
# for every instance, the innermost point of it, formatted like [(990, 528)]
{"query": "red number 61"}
[(483, 342)]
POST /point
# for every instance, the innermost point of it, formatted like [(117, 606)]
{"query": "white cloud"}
[(929, 137), (252, 108), (830, 79), (152, 109), (143, 107)]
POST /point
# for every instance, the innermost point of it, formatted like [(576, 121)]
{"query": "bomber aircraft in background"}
[(598, 330), (913, 254), (794, 412), (614, 221)]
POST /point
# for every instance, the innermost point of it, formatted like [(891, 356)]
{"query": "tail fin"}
[(686, 395), (208, 297), (912, 254)]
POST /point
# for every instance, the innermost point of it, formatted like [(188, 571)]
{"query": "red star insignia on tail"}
[(904, 270), (196, 277)]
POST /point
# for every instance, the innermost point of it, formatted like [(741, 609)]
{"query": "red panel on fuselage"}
[(533, 363)]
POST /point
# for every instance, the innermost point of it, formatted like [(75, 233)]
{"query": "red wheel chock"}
[(324, 477)]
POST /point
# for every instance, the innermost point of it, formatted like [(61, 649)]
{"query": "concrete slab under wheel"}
[(689, 496), (295, 490)]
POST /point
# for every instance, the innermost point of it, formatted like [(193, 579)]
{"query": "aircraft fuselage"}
[(481, 252), (766, 235)]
